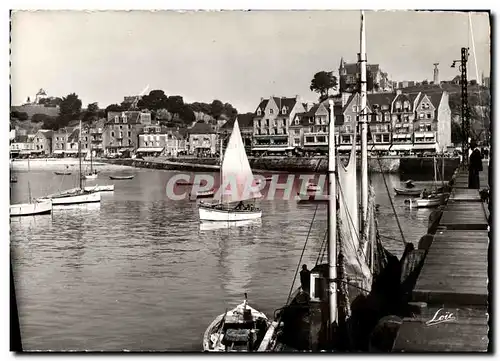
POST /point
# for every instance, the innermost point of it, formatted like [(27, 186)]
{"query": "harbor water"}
[(139, 272)]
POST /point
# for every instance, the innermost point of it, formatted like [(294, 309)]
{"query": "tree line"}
[(168, 110)]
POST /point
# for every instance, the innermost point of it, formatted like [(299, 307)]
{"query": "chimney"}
[(261, 99)]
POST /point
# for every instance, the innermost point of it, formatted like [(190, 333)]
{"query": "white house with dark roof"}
[(202, 139), (271, 123)]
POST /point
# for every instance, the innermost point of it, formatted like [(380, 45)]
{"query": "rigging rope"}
[(301, 255), (392, 203)]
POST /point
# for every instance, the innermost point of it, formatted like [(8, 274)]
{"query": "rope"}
[(390, 238), (392, 203), (322, 249), (301, 255)]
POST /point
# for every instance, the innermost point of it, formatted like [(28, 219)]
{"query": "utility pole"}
[(465, 107)]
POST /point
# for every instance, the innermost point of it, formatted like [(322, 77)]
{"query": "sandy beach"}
[(56, 164)]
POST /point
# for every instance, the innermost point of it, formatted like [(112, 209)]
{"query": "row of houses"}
[(398, 121)]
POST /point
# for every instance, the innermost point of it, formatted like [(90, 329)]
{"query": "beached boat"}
[(241, 329), (98, 188), (235, 170), (30, 209), (121, 177)]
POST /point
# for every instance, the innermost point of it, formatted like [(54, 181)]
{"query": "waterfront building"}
[(245, 122), (271, 123), (309, 130), (21, 145), (155, 140), (380, 121), (122, 129), (59, 140), (202, 140), (43, 142), (96, 132)]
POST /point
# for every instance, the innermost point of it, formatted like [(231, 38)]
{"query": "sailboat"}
[(237, 185), (93, 172), (77, 195), (341, 300), (433, 199), (33, 207)]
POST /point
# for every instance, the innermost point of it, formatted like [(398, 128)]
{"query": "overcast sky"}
[(237, 57)]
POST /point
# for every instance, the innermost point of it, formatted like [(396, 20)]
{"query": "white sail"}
[(237, 177)]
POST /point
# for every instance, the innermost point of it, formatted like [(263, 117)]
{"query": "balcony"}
[(425, 137)]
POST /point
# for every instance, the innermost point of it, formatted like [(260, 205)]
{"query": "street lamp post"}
[(465, 106)]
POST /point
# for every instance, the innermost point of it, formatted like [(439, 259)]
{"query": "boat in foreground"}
[(77, 197), (227, 213), (431, 201), (239, 330), (408, 191), (31, 209), (121, 177)]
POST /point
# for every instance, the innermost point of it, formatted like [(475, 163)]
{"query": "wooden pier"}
[(451, 292)]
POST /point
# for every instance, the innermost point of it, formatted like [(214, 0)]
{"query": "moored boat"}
[(408, 191), (237, 185), (62, 173), (238, 330), (204, 194), (100, 188), (121, 177), (31, 209)]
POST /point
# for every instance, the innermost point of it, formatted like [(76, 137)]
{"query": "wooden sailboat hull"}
[(408, 191), (62, 173), (216, 336), (76, 198), (98, 188), (31, 209), (90, 176), (204, 194), (210, 213), (430, 202)]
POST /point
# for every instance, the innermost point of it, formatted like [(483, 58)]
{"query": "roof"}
[(244, 121), (435, 98), (21, 139), (133, 116), (73, 137), (46, 133), (262, 105), (201, 128), (353, 68), (380, 99), (280, 102)]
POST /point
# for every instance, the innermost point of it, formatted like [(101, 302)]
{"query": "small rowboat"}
[(98, 188), (412, 192), (313, 187), (240, 330), (311, 197), (62, 173), (121, 177), (204, 194), (432, 201)]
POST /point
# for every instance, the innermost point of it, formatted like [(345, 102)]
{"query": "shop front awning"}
[(15, 150), (58, 151), (150, 150), (26, 151), (379, 147), (424, 146), (348, 147), (71, 151), (273, 149), (402, 147)]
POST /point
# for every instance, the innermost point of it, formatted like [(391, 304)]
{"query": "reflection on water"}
[(140, 272)]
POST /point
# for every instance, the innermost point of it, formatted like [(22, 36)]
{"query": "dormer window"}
[(259, 112), (271, 111), (398, 106), (283, 111), (296, 121), (116, 119)]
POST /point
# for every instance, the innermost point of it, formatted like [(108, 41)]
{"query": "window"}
[(129, 134), (348, 118), (398, 106), (354, 108), (116, 119), (385, 138), (348, 128), (309, 139), (271, 111), (429, 115), (259, 112), (346, 139), (121, 127), (296, 121), (321, 139), (421, 115), (129, 142), (283, 110), (112, 134), (296, 141)]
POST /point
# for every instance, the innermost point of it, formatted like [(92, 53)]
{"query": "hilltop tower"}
[(436, 74)]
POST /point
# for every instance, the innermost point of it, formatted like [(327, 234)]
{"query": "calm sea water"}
[(138, 272)]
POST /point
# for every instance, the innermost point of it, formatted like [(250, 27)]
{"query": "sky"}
[(234, 56)]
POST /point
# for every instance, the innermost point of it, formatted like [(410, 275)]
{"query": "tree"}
[(322, 82), (22, 116), (51, 123), (38, 118), (69, 109), (113, 108), (216, 109), (187, 115), (456, 133), (156, 99), (92, 113), (174, 104), (230, 111)]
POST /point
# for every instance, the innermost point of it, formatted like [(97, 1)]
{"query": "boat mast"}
[(220, 172), (364, 127), (332, 220), (79, 155)]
